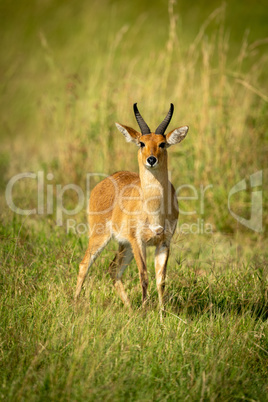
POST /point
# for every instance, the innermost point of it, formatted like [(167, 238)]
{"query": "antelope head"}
[(153, 145)]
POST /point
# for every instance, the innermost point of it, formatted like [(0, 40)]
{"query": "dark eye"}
[(162, 145), (142, 144)]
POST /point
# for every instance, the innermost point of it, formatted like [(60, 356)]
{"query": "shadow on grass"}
[(242, 292), (209, 301)]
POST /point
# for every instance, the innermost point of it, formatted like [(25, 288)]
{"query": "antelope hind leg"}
[(117, 267), (95, 245)]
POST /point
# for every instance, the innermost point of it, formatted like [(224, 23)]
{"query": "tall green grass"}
[(66, 98), (70, 71), (212, 344)]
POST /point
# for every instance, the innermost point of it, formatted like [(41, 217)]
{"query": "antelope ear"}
[(130, 134), (177, 135)]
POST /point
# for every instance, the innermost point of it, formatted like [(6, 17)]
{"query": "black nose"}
[(152, 160)]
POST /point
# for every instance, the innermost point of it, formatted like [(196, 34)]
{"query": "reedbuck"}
[(136, 210)]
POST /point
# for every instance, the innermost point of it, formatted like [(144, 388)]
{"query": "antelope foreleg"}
[(161, 259), (140, 257)]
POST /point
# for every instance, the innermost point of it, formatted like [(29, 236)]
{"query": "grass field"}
[(69, 71)]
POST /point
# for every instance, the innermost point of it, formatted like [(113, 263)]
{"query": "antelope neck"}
[(154, 186)]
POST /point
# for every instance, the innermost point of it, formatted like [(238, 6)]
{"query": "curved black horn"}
[(143, 126), (163, 126)]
